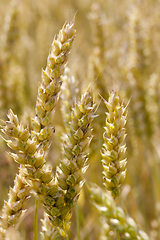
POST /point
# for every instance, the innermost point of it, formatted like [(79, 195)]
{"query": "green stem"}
[(78, 225), (118, 236), (155, 174), (156, 179), (67, 237), (36, 220)]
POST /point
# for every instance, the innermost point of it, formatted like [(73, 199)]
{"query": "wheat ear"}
[(13, 208), (114, 148), (48, 91), (68, 96), (70, 172), (115, 216)]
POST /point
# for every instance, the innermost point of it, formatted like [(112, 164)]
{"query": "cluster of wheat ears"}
[(95, 126)]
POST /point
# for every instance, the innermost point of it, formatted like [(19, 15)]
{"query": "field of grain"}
[(80, 120)]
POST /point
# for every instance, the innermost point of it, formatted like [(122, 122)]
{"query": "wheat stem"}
[(78, 223), (118, 236), (36, 220)]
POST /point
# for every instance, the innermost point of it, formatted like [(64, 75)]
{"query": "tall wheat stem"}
[(78, 223), (36, 220)]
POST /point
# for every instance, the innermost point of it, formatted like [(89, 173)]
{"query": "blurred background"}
[(116, 46)]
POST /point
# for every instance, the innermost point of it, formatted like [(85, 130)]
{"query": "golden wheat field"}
[(80, 120)]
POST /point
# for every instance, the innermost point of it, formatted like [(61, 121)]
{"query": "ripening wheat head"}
[(113, 149)]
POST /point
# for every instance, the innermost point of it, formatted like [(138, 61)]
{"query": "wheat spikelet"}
[(107, 232), (49, 232)]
